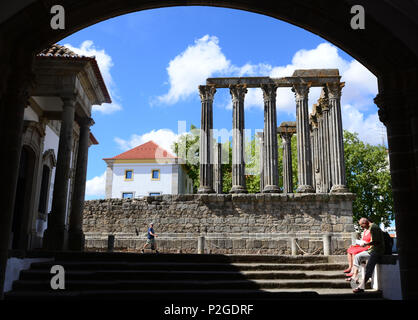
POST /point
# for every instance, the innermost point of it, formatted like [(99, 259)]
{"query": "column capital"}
[(313, 120), (20, 84), (286, 136), (389, 106), (69, 101), (301, 90), (334, 89), (238, 92), (269, 90), (86, 122), (207, 92)]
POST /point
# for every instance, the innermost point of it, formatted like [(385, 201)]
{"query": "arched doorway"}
[(387, 47), (23, 192)]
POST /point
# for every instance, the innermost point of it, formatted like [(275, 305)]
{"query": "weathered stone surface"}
[(239, 223)]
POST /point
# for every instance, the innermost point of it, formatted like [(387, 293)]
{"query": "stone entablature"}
[(268, 219)]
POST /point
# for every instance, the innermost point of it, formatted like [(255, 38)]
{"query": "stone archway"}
[(387, 47)]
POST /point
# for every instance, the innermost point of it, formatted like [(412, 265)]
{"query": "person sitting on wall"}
[(376, 249), (357, 248), (151, 239)]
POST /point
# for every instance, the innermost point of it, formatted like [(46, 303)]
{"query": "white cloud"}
[(190, 69), (369, 128), (205, 59), (105, 63), (107, 108), (163, 137), (95, 187)]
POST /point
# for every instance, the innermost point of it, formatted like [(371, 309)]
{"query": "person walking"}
[(151, 239)]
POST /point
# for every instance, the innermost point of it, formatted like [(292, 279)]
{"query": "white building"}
[(146, 170)]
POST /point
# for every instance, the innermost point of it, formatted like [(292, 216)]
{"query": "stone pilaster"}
[(76, 236), (336, 136), (271, 174), (109, 179), (207, 94), (55, 234), (303, 138), (238, 164), (218, 182)]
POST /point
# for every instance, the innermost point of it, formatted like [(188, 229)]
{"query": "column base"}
[(305, 189), (271, 189), (54, 239), (76, 240), (238, 189), (205, 189), (338, 188)]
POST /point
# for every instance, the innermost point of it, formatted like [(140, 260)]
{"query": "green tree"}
[(187, 148), (368, 176)]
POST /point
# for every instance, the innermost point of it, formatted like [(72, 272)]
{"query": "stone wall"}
[(253, 223)]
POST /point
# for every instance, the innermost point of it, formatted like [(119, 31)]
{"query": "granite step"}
[(198, 295), (104, 265), (75, 285), (180, 275)]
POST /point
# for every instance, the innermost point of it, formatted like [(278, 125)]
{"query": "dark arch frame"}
[(388, 47), (326, 18)]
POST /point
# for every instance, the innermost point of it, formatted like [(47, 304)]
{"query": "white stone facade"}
[(173, 179)]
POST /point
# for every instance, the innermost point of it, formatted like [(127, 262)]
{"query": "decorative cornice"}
[(34, 125), (50, 154)]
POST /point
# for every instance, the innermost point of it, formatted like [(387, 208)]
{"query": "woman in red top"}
[(353, 250)]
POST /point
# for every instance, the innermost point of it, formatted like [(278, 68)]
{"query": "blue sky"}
[(153, 61)]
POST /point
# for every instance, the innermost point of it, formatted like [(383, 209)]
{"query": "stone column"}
[(218, 169), (260, 136), (336, 135), (76, 236), (324, 134), (238, 164), (303, 138), (55, 233), (287, 161), (12, 105), (271, 174), (205, 153), (315, 151)]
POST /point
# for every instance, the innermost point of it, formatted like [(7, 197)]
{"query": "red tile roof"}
[(57, 51), (148, 150)]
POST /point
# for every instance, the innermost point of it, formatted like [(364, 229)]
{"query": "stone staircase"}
[(94, 275)]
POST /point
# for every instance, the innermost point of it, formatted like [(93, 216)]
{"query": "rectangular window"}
[(154, 193), (129, 174), (127, 195), (155, 174)]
